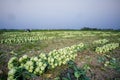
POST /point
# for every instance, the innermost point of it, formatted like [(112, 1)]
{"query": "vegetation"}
[(37, 65), (60, 55), (107, 47), (76, 73), (101, 41)]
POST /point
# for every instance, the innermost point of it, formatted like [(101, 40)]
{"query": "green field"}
[(60, 55)]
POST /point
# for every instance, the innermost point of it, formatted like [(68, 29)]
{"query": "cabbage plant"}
[(107, 48), (39, 64)]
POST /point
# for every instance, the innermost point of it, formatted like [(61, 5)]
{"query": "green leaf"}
[(65, 78), (77, 74)]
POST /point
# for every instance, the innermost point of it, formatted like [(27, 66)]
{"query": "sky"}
[(59, 14)]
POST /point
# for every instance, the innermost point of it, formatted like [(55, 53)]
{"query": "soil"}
[(99, 72)]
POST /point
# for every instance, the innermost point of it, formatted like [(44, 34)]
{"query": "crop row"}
[(100, 41), (106, 48), (23, 39), (39, 64)]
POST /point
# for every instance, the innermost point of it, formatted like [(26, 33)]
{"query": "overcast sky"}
[(59, 14)]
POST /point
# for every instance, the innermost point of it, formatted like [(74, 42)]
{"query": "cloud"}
[(59, 12)]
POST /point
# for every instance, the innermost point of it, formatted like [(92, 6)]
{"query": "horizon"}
[(83, 28)]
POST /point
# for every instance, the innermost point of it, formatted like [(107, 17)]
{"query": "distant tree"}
[(88, 28)]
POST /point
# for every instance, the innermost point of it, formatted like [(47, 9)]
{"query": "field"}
[(60, 55)]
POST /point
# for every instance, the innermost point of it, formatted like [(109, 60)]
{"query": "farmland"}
[(60, 55)]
